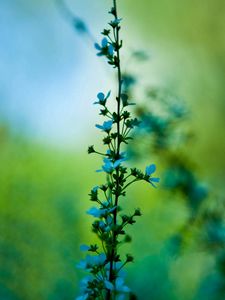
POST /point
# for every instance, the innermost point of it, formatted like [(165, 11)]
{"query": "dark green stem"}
[(113, 251)]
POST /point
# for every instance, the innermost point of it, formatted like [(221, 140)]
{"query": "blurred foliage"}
[(166, 134), (39, 221), (187, 44)]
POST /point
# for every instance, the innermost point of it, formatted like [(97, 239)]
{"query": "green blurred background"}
[(48, 81)]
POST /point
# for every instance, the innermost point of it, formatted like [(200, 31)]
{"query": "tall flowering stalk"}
[(104, 263)]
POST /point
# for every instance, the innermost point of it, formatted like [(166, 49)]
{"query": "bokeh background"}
[(49, 78)]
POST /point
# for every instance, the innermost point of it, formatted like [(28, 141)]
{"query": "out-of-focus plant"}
[(212, 239), (105, 263), (37, 212), (165, 132)]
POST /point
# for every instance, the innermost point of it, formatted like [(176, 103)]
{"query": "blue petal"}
[(108, 285), (155, 179), (82, 264), (84, 247), (120, 287), (111, 49), (101, 258), (99, 126), (83, 297), (106, 160), (95, 212), (152, 183), (107, 125), (118, 162), (108, 168), (150, 169), (104, 42), (97, 46)]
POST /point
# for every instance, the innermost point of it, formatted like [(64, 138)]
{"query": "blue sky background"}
[(48, 73)]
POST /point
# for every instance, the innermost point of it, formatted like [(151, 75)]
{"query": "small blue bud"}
[(101, 96)]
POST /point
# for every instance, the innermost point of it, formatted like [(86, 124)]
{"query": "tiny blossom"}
[(110, 166), (150, 169), (115, 22), (106, 48), (95, 212), (92, 260), (102, 98), (103, 44), (98, 213), (106, 126)]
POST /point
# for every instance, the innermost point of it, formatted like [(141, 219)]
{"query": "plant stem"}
[(113, 253)]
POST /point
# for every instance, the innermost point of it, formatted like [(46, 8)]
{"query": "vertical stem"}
[(118, 98)]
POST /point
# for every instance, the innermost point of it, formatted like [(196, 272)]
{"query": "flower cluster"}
[(104, 263)]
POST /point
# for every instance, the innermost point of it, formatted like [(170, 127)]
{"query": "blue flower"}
[(104, 43), (91, 261), (96, 212), (115, 22), (106, 126), (102, 98), (149, 171), (100, 212), (106, 48), (110, 166)]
